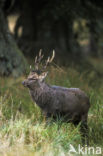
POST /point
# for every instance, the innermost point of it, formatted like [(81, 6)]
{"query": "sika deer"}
[(70, 103)]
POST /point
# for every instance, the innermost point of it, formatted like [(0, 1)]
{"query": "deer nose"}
[(23, 83)]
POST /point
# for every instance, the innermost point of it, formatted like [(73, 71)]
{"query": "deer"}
[(71, 104)]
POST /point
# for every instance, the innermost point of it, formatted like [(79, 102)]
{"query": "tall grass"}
[(23, 129)]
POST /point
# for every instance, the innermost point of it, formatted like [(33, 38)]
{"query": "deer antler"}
[(49, 60), (38, 59)]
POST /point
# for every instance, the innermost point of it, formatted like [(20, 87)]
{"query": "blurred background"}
[(73, 28)]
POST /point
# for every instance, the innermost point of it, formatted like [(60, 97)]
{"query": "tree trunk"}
[(63, 33), (93, 41), (28, 22), (40, 29), (12, 62)]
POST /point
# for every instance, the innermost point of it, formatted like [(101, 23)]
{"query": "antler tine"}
[(40, 52), (49, 60), (38, 59), (40, 56), (52, 56)]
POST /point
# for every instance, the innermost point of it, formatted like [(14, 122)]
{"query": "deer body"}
[(70, 103)]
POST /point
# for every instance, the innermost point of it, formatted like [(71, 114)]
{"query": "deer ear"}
[(43, 76)]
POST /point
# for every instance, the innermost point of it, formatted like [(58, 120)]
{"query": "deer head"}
[(38, 75)]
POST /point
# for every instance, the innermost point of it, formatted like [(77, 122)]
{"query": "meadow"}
[(23, 129)]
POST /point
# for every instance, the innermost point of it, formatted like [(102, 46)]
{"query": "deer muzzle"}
[(24, 83)]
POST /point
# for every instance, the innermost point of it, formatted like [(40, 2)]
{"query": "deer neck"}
[(39, 92)]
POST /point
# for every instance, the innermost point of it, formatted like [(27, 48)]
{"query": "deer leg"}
[(47, 118), (84, 130)]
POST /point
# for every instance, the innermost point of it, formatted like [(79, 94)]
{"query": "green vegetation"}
[(23, 129)]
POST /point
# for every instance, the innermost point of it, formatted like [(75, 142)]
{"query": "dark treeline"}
[(60, 25)]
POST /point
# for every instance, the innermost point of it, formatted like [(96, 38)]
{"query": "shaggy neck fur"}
[(40, 94)]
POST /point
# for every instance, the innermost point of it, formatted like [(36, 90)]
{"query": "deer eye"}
[(31, 79)]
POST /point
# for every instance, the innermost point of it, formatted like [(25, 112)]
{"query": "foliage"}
[(23, 129)]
